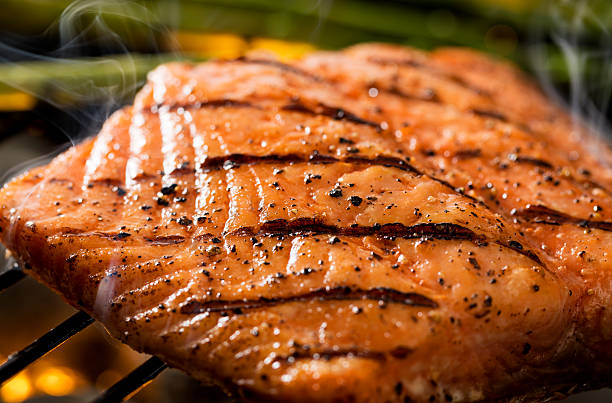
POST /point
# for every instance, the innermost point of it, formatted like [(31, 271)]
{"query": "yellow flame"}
[(229, 46), (223, 46), (16, 101), (283, 49), (56, 381), (17, 389)]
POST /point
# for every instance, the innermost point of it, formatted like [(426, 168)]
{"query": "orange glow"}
[(17, 389), (16, 101), (283, 49), (223, 46), (56, 381)]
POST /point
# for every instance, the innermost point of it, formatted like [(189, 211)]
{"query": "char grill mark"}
[(166, 240), (333, 112), (439, 231), (443, 231), (394, 90), (468, 153), (307, 353), (214, 103), (235, 160), (280, 66), (524, 159), (328, 355), (545, 215), (490, 114), (431, 70), (383, 294)]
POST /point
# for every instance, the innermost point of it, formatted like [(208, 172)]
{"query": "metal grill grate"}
[(120, 391)]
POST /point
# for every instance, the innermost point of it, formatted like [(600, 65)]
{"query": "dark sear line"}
[(430, 69), (525, 159), (342, 293), (545, 215), (440, 231), (468, 153), (321, 109), (490, 114), (280, 66), (236, 160), (333, 112), (445, 231), (166, 240), (309, 353), (431, 95), (213, 103)]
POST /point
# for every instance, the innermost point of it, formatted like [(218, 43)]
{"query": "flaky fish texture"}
[(378, 224)]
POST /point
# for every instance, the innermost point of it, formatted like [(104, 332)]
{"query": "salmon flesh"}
[(378, 224)]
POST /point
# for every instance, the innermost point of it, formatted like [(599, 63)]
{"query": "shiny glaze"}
[(295, 235)]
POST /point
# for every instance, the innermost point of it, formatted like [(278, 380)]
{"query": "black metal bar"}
[(45, 344), (132, 382), (10, 277)]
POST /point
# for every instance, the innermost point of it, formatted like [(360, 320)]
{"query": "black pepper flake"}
[(474, 263), (526, 348), (168, 190), (335, 192), (536, 288), (213, 250), (357, 268), (122, 235), (216, 240), (307, 271), (184, 221), (515, 245), (352, 150), (488, 300), (344, 140), (161, 201), (119, 191), (334, 240), (206, 273), (145, 207), (355, 200), (277, 171)]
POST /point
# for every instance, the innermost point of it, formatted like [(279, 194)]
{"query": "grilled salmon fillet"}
[(377, 224)]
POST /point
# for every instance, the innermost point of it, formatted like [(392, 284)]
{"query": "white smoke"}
[(574, 42)]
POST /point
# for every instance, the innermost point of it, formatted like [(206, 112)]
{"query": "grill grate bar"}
[(10, 277), (132, 382), (45, 344), (120, 391)]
